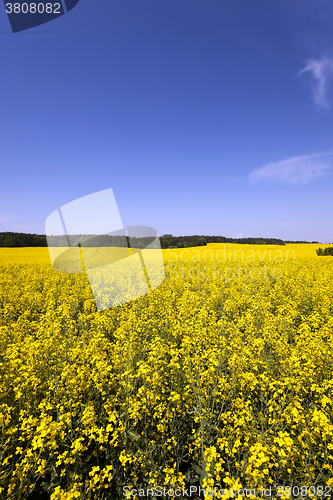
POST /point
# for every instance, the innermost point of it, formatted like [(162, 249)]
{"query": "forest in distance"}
[(10, 239)]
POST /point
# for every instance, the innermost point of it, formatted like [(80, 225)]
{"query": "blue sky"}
[(204, 116)]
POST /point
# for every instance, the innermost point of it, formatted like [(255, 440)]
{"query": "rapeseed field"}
[(219, 378)]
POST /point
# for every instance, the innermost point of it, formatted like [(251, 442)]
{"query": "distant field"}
[(228, 251)]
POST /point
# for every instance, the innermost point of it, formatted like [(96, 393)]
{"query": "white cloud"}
[(321, 71), (296, 170)]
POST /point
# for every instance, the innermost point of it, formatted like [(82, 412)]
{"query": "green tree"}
[(11, 241), (201, 241)]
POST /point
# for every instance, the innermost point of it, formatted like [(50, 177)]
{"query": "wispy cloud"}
[(320, 71), (296, 170)]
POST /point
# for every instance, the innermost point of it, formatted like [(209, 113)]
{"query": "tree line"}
[(12, 240), (168, 240), (15, 240)]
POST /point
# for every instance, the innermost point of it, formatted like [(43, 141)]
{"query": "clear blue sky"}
[(204, 116)]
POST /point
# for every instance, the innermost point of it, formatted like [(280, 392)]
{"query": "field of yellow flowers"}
[(219, 378)]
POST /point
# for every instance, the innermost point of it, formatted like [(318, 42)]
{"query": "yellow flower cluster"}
[(206, 381)]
